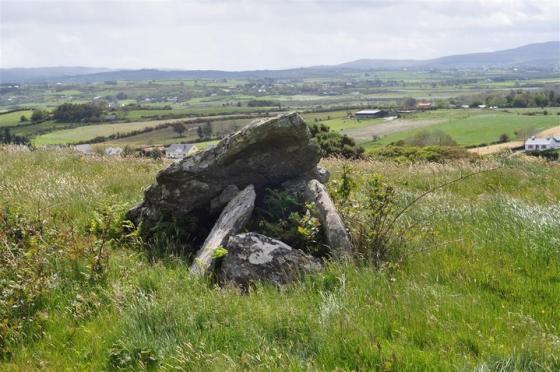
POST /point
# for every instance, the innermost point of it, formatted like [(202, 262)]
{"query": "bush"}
[(503, 138), (38, 115), (550, 155), (71, 112), (437, 154), (262, 103), (335, 144), (8, 138), (371, 213), (284, 216), (430, 138)]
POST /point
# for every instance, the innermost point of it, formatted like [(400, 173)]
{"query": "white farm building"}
[(367, 114), (541, 144), (181, 150)]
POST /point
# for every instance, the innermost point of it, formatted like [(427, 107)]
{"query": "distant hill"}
[(541, 56), (37, 74)]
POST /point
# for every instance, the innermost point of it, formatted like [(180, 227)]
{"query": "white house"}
[(85, 149), (181, 150), (541, 144), (114, 151)]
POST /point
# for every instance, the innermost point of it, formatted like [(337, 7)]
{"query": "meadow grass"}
[(11, 119), (88, 132), (477, 290), (166, 136), (477, 127)]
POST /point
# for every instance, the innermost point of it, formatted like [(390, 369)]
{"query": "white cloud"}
[(258, 34)]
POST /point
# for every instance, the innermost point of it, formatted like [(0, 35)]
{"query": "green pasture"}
[(167, 135), (88, 132), (478, 127), (11, 119)]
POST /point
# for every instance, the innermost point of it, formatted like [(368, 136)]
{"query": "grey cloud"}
[(257, 34)]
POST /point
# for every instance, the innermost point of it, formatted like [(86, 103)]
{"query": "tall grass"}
[(481, 293)]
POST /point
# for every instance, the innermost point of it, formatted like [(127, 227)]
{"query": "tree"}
[(8, 137), (409, 102), (179, 128), (205, 131), (503, 138), (38, 115), (498, 101), (335, 144), (71, 112), (200, 132), (23, 118), (541, 100), (519, 101)]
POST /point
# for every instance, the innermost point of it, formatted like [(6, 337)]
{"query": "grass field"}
[(220, 125), (482, 127), (162, 136), (193, 111), (13, 118), (166, 136), (479, 290), (467, 127), (338, 121), (88, 132)]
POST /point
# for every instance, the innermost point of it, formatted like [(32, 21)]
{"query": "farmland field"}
[(13, 118), (468, 127), (165, 136), (89, 132), (221, 126), (474, 129)]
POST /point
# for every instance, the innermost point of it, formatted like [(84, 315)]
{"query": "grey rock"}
[(298, 185), (254, 257), (320, 174), (232, 219), (335, 233), (265, 153), (221, 200)]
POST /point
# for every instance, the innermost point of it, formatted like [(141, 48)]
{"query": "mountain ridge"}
[(537, 55)]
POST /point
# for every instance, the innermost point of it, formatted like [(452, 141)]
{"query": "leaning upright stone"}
[(232, 219), (335, 233)]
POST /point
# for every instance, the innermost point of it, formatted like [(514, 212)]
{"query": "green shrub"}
[(32, 264), (551, 155), (77, 112), (503, 138), (335, 144), (430, 138), (370, 214), (403, 154), (283, 216)]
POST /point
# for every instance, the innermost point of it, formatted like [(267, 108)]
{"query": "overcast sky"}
[(260, 34)]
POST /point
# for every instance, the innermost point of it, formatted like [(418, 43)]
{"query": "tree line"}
[(8, 138)]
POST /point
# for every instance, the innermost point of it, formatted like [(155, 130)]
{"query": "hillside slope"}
[(475, 288)]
